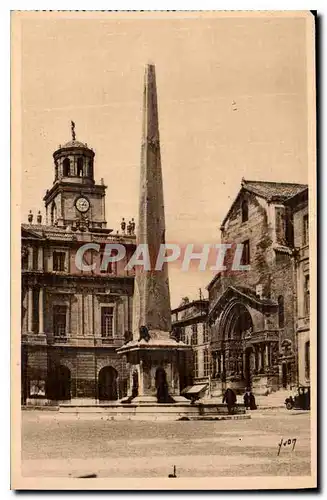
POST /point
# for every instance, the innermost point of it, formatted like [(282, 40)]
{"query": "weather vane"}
[(73, 130)]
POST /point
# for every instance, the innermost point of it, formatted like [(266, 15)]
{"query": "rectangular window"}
[(182, 337), (245, 260), (106, 267), (196, 364), (59, 261), (206, 362), (205, 333), (280, 225), (307, 360), (25, 252), (306, 230), (59, 321), (35, 296), (307, 295), (245, 211), (107, 317), (35, 258), (194, 339)]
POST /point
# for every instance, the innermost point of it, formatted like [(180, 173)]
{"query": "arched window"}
[(245, 211), (56, 170), (53, 213), (80, 167), (90, 168), (281, 315), (66, 167)]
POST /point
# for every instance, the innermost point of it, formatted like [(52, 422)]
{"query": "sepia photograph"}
[(163, 177)]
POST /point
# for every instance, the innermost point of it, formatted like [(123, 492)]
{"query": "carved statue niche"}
[(144, 333)]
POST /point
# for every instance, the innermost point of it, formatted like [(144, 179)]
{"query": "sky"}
[(232, 98)]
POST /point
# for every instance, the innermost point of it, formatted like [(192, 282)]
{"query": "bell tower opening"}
[(66, 167), (80, 167)]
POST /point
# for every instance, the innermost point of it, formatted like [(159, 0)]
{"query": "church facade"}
[(253, 312), (74, 317)]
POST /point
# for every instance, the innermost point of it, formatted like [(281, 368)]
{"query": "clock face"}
[(82, 204)]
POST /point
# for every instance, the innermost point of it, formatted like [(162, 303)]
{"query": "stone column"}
[(141, 391), (91, 311), (267, 355), (79, 322), (263, 356), (41, 310), (30, 310), (40, 259), (216, 362), (30, 258), (259, 358), (86, 314)]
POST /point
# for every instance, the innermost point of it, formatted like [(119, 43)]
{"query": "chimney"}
[(39, 217), (30, 217)]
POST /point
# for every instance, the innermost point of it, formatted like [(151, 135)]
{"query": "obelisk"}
[(151, 296), (153, 355)]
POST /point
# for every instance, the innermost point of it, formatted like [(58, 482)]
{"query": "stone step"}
[(219, 417)]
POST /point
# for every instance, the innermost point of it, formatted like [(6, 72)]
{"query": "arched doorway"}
[(162, 386), (237, 321), (107, 384), (60, 383), (236, 325)]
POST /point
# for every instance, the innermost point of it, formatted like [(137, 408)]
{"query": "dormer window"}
[(66, 167), (245, 211), (79, 167)]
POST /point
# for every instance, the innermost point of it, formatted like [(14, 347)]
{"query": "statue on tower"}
[(73, 130)]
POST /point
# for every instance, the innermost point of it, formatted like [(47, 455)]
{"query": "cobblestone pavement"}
[(61, 445)]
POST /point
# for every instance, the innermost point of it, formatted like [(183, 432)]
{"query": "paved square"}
[(63, 445)]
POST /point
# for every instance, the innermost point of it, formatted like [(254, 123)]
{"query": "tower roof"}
[(74, 144)]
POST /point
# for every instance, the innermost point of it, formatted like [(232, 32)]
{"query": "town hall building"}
[(74, 317)]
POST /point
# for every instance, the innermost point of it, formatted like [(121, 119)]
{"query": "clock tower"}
[(75, 200)]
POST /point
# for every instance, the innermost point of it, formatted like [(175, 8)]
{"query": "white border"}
[(5, 159)]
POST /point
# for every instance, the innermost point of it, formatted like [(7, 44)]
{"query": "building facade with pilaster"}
[(299, 206), (189, 322), (74, 314)]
